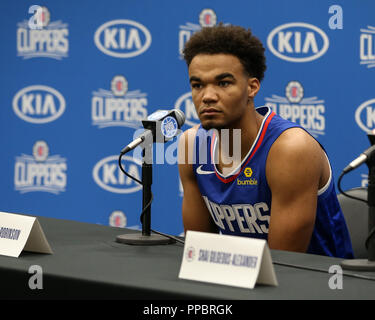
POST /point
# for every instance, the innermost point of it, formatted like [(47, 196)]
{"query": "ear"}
[(253, 85)]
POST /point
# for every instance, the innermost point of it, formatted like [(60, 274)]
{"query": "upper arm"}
[(294, 169), (195, 214)]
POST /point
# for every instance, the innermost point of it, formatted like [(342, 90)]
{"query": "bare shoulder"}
[(296, 156), (186, 150), (189, 134), (296, 142)]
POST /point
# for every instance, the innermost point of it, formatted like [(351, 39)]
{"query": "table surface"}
[(88, 263)]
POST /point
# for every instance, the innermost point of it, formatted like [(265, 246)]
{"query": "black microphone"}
[(359, 160), (161, 126)]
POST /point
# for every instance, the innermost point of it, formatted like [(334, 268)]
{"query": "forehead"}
[(210, 65)]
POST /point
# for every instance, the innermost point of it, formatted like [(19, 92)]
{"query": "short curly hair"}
[(229, 39)]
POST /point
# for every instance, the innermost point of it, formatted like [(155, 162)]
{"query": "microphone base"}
[(142, 240), (358, 264)]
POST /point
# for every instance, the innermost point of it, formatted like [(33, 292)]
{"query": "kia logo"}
[(109, 176), (186, 105), (365, 115), (298, 42), (122, 38), (38, 104)]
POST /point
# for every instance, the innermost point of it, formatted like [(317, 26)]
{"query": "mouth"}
[(209, 111)]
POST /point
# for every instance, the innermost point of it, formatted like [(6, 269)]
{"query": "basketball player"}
[(279, 187)]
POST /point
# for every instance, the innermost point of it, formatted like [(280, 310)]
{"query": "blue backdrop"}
[(78, 76)]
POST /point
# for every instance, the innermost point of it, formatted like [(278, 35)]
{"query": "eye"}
[(196, 85), (224, 83)]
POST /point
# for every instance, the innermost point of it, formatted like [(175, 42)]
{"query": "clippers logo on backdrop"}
[(122, 38), (207, 18), (38, 104), (40, 171), (367, 47), (118, 107), (118, 219), (298, 42), (186, 105), (108, 175), (307, 112), (365, 115), (39, 37)]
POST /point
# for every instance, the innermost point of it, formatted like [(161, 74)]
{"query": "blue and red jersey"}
[(240, 202)]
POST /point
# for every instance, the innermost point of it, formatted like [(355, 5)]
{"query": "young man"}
[(279, 187)]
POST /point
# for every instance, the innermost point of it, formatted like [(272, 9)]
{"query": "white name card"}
[(19, 232), (227, 260)]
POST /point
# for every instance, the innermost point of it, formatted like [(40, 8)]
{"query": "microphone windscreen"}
[(180, 117)]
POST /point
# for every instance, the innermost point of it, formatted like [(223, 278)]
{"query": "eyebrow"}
[(217, 78), (194, 78), (224, 75)]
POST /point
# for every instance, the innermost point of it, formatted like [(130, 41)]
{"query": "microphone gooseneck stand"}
[(369, 263), (146, 238)]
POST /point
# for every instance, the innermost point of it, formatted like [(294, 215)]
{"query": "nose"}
[(209, 95)]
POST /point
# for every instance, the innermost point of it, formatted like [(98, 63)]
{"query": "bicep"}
[(195, 214), (293, 173)]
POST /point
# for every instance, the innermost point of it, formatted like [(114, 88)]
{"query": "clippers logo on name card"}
[(40, 172), (118, 107), (190, 254)]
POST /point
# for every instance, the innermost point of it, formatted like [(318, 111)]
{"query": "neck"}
[(235, 143)]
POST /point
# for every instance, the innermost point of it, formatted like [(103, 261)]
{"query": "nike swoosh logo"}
[(200, 171)]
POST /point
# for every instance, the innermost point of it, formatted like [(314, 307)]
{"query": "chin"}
[(208, 125)]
